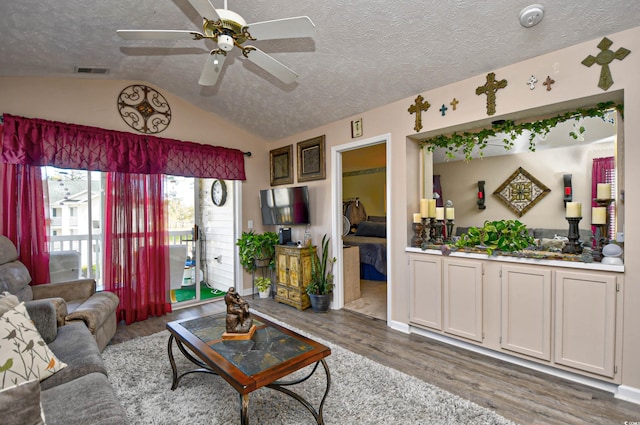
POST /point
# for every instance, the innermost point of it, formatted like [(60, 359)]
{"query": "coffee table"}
[(273, 353)]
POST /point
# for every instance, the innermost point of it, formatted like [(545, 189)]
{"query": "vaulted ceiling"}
[(365, 54)]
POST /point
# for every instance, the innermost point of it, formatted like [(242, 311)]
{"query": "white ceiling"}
[(366, 53)]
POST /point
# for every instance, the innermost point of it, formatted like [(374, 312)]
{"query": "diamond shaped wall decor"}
[(521, 191)]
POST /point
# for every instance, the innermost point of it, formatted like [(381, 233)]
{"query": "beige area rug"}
[(373, 301)]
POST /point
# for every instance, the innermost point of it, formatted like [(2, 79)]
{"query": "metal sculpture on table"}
[(239, 323)]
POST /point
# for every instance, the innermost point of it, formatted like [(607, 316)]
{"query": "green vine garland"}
[(467, 141)]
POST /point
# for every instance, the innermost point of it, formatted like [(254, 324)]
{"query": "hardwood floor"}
[(517, 393)]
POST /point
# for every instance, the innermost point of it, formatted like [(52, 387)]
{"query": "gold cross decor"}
[(417, 109), (490, 89), (604, 58), (454, 103)]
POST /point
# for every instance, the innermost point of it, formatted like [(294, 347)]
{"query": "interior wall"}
[(369, 187), (92, 102), (459, 180)]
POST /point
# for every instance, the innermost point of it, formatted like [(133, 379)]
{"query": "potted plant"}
[(257, 250), (263, 284), (321, 284), (501, 235)]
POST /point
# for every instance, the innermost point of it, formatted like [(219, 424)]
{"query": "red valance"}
[(32, 141)]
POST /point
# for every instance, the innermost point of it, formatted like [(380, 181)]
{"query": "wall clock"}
[(218, 192)]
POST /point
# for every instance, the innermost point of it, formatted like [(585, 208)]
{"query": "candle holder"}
[(602, 229), (573, 246), (437, 237), (449, 225), (431, 238), (416, 240)]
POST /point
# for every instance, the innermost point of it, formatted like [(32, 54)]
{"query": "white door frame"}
[(336, 208)]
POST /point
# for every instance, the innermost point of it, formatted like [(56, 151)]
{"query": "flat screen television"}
[(285, 206)]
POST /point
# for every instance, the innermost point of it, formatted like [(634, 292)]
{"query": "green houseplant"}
[(501, 235), (263, 283), (256, 249), (321, 284)]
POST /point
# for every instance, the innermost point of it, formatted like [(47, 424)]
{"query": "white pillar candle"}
[(599, 215), (574, 209), (424, 207), (603, 191), (432, 208), (417, 217), (439, 213), (450, 213)]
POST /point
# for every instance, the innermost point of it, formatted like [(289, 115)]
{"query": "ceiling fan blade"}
[(272, 66), (212, 68), (205, 9), (300, 26), (159, 34)]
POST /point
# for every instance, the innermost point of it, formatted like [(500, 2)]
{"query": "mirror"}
[(556, 155)]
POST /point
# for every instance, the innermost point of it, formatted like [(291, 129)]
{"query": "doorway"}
[(361, 183)]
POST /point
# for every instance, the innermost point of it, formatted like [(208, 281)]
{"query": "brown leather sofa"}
[(75, 301)]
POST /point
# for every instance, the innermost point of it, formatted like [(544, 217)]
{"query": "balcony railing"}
[(91, 251)]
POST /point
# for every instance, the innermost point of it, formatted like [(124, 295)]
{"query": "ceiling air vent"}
[(91, 70)]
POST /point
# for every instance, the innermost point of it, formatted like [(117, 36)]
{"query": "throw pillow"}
[(372, 229), (24, 355), (20, 404), (7, 302)]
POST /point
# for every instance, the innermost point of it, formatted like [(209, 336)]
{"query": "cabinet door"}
[(294, 271), (282, 265), (462, 284), (526, 311), (585, 321), (425, 277)]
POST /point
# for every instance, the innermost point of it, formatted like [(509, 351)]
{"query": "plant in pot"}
[(263, 283), (321, 284), (257, 250), (500, 235)]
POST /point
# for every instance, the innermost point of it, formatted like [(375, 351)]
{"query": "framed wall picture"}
[(311, 159), (281, 165), (521, 191)]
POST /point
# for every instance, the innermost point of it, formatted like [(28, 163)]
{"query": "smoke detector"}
[(531, 15)]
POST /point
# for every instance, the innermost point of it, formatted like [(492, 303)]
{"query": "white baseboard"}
[(399, 326), (627, 393)]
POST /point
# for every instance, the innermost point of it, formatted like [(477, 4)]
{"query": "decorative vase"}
[(319, 303)]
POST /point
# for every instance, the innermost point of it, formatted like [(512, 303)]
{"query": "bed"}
[(371, 237)]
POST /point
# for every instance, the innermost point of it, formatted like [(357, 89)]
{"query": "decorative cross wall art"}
[(417, 109), (490, 89), (604, 58), (454, 103), (548, 83), (521, 191)]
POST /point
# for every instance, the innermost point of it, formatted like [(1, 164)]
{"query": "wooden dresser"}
[(293, 273)]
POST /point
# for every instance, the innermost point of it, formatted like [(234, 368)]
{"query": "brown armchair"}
[(74, 301)]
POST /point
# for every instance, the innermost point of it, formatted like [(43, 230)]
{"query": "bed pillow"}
[(20, 404), (24, 355), (371, 229)]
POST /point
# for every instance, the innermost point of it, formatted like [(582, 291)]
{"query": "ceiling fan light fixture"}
[(225, 42)]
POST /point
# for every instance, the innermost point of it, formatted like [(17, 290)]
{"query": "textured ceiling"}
[(366, 53)]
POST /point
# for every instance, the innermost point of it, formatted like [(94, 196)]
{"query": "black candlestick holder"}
[(449, 225), (416, 240), (573, 246), (437, 237)]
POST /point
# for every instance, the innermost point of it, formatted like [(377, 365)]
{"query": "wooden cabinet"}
[(585, 321), (462, 298), (425, 277), (526, 311), (293, 273)]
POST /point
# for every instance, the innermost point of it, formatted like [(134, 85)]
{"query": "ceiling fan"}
[(228, 29)]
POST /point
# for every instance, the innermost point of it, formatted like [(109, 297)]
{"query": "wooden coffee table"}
[(273, 353)]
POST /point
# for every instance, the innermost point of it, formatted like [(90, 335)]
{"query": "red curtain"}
[(41, 142), (24, 216), (136, 245)]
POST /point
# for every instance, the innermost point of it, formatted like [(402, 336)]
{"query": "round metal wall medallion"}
[(144, 109)]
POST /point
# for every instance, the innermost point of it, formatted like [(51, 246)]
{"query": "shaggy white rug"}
[(362, 392)]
